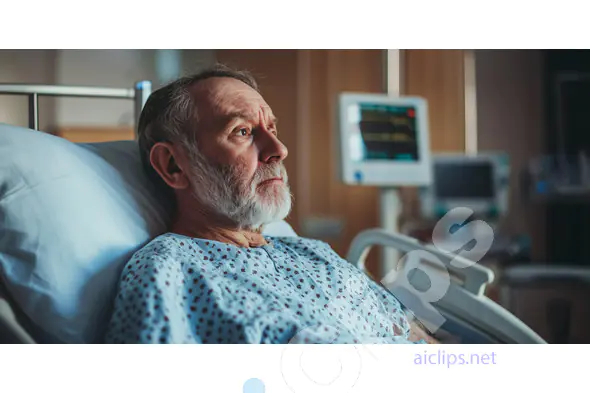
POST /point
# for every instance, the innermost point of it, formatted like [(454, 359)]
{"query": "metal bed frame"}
[(464, 306), (11, 321), (139, 94)]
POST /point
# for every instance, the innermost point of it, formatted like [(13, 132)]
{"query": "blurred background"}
[(531, 105)]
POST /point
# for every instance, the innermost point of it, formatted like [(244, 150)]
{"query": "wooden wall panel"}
[(438, 76), (85, 134), (318, 136), (330, 72)]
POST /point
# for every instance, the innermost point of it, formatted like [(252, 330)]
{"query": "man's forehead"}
[(227, 96)]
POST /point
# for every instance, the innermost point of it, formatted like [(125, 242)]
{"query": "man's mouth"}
[(272, 180)]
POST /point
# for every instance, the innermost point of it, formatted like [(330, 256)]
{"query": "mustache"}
[(269, 171), (232, 174)]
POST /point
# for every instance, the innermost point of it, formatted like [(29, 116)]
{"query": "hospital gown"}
[(179, 289)]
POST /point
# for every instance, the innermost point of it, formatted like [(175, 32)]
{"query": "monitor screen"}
[(387, 132), (464, 180)]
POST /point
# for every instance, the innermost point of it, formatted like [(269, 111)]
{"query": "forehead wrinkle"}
[(248, 113), (223, 103)]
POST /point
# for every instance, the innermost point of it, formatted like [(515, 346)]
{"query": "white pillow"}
[(279, 229), (70, 217)]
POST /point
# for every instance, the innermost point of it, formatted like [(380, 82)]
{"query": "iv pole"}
[(389, 196)]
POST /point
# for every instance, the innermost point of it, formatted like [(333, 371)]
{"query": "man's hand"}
[(417, 334)]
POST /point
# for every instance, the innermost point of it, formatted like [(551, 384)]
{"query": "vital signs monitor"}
[(480, 183), (383, 140)]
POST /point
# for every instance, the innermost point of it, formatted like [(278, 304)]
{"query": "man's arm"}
[(149, 306), (417, 330), (417, 333)]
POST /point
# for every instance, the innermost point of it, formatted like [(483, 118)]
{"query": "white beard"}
[(223, 190)]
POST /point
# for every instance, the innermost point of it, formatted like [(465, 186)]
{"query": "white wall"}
[(27, 66), (105, 68), (510, 117), (108, 68)]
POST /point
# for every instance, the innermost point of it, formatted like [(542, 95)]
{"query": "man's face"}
[(238, 171)]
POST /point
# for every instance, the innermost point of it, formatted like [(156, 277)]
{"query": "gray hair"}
[(169, 114)]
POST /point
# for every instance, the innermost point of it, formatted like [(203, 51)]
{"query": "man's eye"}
[(244, 131)]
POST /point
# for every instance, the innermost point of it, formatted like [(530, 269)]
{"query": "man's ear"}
[(167, 160)]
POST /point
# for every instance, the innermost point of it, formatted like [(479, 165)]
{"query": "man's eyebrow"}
[(226, 119), (244, 115), (238, 115)]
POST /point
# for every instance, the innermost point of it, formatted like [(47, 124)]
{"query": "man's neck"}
[(203, 227)]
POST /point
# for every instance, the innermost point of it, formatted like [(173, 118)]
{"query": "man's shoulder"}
[(167, 247), (163, 244), (166, 251), (298, 241)]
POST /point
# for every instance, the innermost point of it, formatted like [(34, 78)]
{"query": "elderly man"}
[(215, 278)]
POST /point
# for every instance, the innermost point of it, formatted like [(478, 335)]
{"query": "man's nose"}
[(272, 149)]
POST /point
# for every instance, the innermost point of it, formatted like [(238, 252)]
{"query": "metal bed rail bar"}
[(139, 93)]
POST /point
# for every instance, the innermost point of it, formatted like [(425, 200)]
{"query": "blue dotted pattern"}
[(179, 289)]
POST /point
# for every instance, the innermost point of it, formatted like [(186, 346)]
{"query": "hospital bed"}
[(466, 313), (71, 215)]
